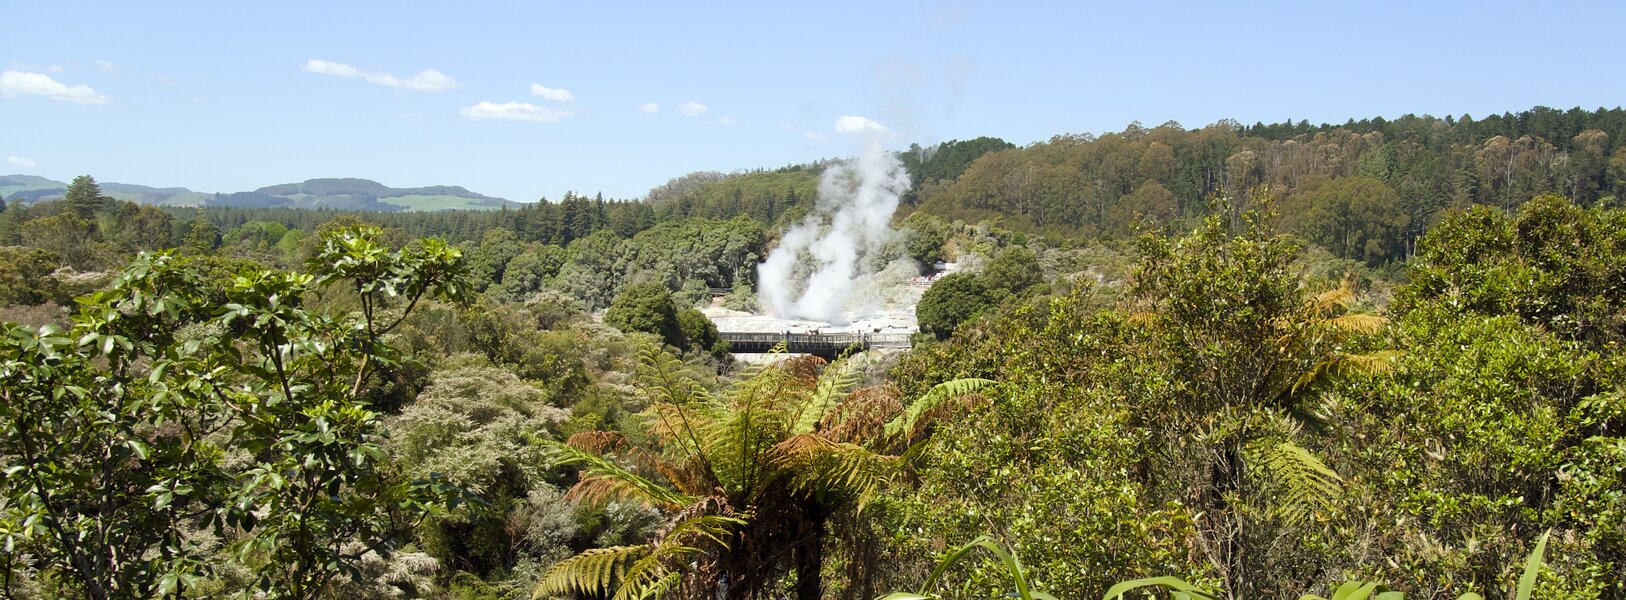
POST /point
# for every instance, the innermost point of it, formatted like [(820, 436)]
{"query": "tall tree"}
[(85, 197)]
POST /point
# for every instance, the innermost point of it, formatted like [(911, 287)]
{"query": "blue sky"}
[(224, 96)]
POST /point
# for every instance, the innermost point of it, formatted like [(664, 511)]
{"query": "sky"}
[(525, 100)]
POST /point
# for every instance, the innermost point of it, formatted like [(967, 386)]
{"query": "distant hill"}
[(330, 193)]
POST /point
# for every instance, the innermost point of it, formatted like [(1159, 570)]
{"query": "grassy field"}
[(8, 189), (432, 203)]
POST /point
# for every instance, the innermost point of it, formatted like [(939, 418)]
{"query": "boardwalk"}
[(825, 344)]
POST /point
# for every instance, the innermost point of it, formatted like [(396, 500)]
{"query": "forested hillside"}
[(1403, 173), (1228, 362)]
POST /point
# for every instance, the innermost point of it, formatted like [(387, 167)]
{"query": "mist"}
[(829, 266)]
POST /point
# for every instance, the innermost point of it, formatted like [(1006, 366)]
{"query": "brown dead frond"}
[(864, 415), (598, 442), (803, 367)]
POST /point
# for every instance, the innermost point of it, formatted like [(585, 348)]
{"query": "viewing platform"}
[(827, 345)]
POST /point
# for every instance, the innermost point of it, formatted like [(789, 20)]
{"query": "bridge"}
[(828, 345)]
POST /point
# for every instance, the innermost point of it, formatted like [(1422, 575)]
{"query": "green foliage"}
[(950, 302), (1012, 272), (1013, 566), (750, 480), (530, 271), (925, 236), (26, 276), (120, 427), (1307, 484), (647, 307), (1357, 218), (84, 197), (1555, 264), (699, 333)]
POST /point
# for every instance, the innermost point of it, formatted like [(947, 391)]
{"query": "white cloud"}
[(817, 137), (107, 65), (554, 94), (649, 107), (19, 161), (514, 111), (856, 124), (327, 67), (726, 121), (23, 83), (427, 80), (55, 68), (692, 109)]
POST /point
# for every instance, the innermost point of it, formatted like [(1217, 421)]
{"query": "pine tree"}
[(85, 197)]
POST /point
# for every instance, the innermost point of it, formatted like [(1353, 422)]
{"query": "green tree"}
[(528, 272), (647, 307), (699, 333), (1012, 272), (84, 197), (951, 301), (1358, 218), (117, 430), (1615, 173), (925, 238), (25, 276)]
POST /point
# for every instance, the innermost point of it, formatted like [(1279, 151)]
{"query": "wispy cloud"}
[(692, 109), (817, 137), (107, 65), (856, 124), (726, 121), (20, 161), (427, 80), (554, 94), (327, 67), (514, 111), (649, 107), (24, 83)]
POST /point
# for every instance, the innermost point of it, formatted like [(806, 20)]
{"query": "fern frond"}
[(712, 528), (1340, 365), (863, 416), (837, 378), (664, 378), (830, 467), (1339, 298), (603, 480), (909, 423), (597, 442), (650, 583), (1307, 484), (590, 573), (1357, 323)]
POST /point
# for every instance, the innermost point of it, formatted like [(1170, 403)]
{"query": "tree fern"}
[(1307, 484), (837, 379), (1341, 365), (590, 573), (909, 423), (603, 480)]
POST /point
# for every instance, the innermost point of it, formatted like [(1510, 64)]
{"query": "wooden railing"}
[(813, 343)]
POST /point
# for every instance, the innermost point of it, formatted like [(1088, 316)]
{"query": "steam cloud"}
[(824, 263)]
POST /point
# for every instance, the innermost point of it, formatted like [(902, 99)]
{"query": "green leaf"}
[(1173, 584), (1532, 568)]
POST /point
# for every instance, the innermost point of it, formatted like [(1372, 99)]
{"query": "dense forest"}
[(1270, 361)]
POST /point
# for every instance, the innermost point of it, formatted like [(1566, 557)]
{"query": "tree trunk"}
[(810, 556)]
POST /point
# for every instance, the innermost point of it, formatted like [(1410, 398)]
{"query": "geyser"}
[(825, 266)]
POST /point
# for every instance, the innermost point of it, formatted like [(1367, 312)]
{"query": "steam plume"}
[(846, 242)]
